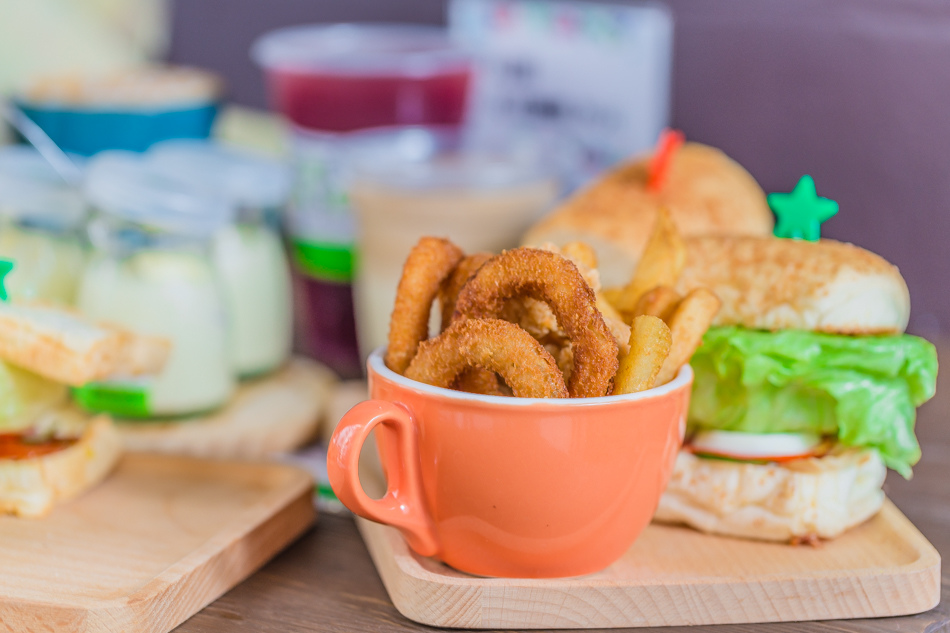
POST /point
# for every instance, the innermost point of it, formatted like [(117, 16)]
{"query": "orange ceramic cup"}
[(512, 487)]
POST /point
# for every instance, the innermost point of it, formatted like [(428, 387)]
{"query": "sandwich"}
[(705, 191), (805, 391), (50, 451)]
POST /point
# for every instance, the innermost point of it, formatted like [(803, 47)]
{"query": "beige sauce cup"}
[(483, 199)]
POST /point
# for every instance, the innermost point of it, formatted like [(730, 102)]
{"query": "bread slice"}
[(30, 487), (772, 284), (67, 348), (706, 193), (806, 498)]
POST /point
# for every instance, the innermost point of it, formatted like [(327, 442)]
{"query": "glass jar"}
[(152, 271), (248, 252), (41, 222)]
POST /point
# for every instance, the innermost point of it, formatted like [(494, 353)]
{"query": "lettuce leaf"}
[(863, 389), (23, 396)]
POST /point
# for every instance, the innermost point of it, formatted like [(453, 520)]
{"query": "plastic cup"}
[(407, 183), (345, 77)]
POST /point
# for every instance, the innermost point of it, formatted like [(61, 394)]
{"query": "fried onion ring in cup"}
[(555, 280), (429, 264), (475, 379), (478, 380), (449, 292), (494, 345)]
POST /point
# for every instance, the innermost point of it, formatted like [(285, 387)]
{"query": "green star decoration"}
[(801, 212), (5, 267)]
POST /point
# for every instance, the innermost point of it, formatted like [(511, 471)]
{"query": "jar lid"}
[(32, 191), (398, 49), (123, 185), (247, 180)]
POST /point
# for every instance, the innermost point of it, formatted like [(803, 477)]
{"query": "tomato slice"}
[(19, 446), (757, 459)]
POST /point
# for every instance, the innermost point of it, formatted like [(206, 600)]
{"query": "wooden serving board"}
[(270, 415), (676, 576), (158, 540)]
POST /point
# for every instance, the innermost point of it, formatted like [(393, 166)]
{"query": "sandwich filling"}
[(27, 446), (24, 398), (859, 391)]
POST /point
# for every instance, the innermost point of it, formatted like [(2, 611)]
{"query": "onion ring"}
[(493, 345), (473, 380), (549, 277), (478, 380), (449, 292), (429, 264)]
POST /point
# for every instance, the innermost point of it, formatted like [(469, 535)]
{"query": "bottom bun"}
[(803, 499), (30, 487)]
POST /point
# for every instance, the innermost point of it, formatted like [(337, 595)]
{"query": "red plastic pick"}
[(659, 169)]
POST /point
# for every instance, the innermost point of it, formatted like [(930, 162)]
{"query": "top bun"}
[(773, 284), (706, 192)]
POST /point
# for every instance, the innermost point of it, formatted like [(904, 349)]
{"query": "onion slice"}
[(756, 446)]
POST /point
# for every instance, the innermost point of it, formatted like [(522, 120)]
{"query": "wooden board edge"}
[(456, 602), (928, 556), (213, 569), (455, 599), (196, 436)]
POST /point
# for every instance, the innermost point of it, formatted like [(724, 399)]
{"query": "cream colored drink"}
[(390, 220)]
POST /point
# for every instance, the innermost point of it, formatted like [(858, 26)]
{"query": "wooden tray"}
[(676, 576), (276, 414), (161, 538)]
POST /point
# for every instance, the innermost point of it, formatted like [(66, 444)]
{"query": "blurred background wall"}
[(854, 92)]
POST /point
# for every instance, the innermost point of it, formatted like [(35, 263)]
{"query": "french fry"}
[(661, 263), (659, 302), (650, 341), (606, 308), (612, 296), (688, 323)]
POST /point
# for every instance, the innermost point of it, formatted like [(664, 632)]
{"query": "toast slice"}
[(31, 487), (67, 348)]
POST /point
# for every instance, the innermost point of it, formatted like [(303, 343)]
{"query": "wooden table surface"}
[(327, 582)]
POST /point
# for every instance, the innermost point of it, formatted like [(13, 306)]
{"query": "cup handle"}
[(403, 505)]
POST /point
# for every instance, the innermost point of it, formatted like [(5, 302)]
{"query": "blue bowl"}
[(89, 131)]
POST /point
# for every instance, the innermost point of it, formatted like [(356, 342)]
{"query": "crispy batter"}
[(474, 379), (429, 264), (494, 345), (537, 318), (555, 280), (449, 291), (478, 380)]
